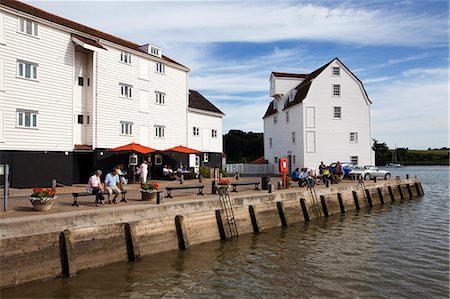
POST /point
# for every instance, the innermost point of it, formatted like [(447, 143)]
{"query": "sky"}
[(399, 49)]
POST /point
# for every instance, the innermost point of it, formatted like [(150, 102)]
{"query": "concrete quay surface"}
[(66, 240)]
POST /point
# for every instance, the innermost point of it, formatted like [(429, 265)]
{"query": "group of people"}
[(302, 176), (169, 173), (325, 172), (112, 184)]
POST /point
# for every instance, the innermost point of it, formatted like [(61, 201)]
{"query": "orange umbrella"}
[(135, 147), (182, 149)]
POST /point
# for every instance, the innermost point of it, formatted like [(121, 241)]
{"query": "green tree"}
[(242, 147), (382, 153)]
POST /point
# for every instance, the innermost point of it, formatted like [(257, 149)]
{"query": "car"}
[(369, 171), (346, 168)]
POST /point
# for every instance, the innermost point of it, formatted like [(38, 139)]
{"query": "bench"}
[(80, 194), (170, 188), (235, 184)]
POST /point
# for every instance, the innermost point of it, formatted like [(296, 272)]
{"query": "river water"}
[(393, 251)]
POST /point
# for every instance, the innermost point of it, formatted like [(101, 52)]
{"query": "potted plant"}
[(223, 186), (43, 198), (149, 190), (288, 182)]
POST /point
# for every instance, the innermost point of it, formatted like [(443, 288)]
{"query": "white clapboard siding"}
[(282, 85), (50, 95), (206, 122)]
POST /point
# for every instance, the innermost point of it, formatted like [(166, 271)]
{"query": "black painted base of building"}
[(37, 168)]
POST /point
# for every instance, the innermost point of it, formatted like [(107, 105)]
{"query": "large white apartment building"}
[(321, 116), (69, 92)]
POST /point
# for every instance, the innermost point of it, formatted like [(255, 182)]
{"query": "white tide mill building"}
[(68, 93), (321, 116)]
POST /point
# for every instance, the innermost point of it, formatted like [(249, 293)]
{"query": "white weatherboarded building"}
[(68, 93), (321, 116)]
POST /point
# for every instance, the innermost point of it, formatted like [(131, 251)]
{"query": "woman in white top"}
[(144, 171), (94, 186)]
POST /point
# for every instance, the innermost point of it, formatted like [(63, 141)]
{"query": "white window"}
[(336, 71), (125, 90), (293, 159), (159, 131), (126, 128), (160, 98), (154, 51), (293, 137), (336, 90), (125, 57), (287, 116), (337, 112), (28, 27), (205, 157), (353, 137), (354, 160), (275, 160), (27, 70), (275, 120), (214, 133), (26, 118), (160, 68), (196, 131), (270, 142)]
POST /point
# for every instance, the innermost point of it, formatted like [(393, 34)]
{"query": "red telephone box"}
[(283, 167)]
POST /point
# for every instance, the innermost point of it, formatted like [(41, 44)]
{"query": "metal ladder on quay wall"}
[(363, 188), (315, 201), (227, 207)]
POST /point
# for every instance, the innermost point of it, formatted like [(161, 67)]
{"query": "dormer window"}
[(274, 104), (336, 71), (154, 51)]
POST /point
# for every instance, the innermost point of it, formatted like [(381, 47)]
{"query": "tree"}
[(242, 146), (382, 154)]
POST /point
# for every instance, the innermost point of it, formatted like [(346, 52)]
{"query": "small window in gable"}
[(336, 71)]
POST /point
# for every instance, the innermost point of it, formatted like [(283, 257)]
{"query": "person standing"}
[(112, 184), (94, 186), (339, 170), (144, 171)]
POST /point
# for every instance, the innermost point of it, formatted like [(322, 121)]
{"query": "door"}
[(143, 135)]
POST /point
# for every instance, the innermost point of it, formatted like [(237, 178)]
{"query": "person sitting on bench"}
[(295, 175), (94, 186), (112, 184)]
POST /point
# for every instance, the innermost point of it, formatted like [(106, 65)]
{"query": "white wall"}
[(282, 85), (50, 95), (206, 122)]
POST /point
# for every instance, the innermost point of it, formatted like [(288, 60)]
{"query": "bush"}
[(224, 173), (204, 171)]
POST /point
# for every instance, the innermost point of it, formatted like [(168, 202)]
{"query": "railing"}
[(250, 168)]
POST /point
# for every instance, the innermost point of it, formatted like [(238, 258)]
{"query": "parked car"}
[(369, 171), (346, 168)]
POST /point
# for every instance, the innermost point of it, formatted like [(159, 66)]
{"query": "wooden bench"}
[(235, 184), (170, 188), (80, 194)]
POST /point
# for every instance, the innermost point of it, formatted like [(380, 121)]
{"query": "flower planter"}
[(42, 204), (148, 195), (222, 189)]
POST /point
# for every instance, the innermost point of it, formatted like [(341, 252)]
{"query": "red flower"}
[(35, 189), (155, 185), (41, 190)]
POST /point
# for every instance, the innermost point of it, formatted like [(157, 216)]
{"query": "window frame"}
[(336, 93), (333, 68), (129, 94), (160, 68), (21, 66), (160, 98), (160, 131), (293, 137), (205, 157), (195, 131), (213, 133), (126, 128), (334, 112), (270, 142), (23, 29), (357, 160), (287, 116), (125, 57), (353, 137), (275, 119), (33, 119)]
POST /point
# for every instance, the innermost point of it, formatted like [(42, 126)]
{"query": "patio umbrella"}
[(135, 147), (182, 149)]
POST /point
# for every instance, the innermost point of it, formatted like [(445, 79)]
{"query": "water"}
[(394, 251)]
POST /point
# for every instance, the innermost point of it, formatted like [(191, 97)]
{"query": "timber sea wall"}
[(62, 244)]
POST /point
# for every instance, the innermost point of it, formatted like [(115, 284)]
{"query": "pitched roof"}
[(17, 5), (303, 88), (289, 75), (197, 101)]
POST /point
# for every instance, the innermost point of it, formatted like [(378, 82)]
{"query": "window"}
[(27, 70), (205, 157), (293, 137), (28, 27), (354, 160), (160, 98), (125, 90), (214, 133), (336, 71), (125, 57), (353, 137), (293, 160), (80, 81), (26, 118), (80, 118), (158, 160), (196, 131), (287, 116), (159, 131), (88, 119), (160, 68), (270, 142), (154, 51), (88, 82), (126, 128), (336, 90), (275, 104), (337, 112), (275, 160), (275, 120)]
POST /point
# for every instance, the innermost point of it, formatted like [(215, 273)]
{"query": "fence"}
[(250, 168)]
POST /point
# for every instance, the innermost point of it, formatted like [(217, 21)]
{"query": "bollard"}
[(327, 183), (158, 197), (200, 177), (407, 176), (213, 187), (374, 179), (264, 182), (280, 185), (270, 187)]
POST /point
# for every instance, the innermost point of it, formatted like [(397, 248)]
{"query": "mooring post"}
[(341, 202), (280, 208), (355, 199), (304, 209), (369, 198), (380, 195), (408, 186), (391, 194), (6, 190)]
